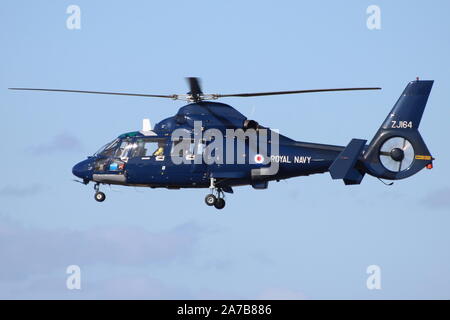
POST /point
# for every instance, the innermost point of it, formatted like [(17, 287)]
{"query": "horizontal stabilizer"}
[(344, 165)]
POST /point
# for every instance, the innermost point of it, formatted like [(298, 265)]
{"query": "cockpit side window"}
[(123, 149), (148, 147)]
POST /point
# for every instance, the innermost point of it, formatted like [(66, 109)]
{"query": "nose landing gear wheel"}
[(100, 196), (220, 203), (210, 199)]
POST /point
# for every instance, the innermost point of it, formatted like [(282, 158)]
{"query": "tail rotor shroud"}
[(397, 154)]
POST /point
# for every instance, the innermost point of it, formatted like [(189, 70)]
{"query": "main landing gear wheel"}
[(220, 203), (100, 196), (210, 199)]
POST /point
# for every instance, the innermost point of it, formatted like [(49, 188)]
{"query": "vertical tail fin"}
[(397, 150), (408, 110)]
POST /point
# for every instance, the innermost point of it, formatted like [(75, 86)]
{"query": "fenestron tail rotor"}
[(196, 94), (397, 154)]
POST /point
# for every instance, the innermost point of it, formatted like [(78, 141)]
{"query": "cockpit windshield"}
[(127, 148), (108, 149), (117, 149)]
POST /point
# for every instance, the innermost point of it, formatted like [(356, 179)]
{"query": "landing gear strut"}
[(216, 197), (99, 196)]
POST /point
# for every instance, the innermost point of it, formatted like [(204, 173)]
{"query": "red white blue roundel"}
[(259, 158)]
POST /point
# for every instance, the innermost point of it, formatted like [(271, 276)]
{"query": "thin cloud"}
[(30, 252), (63, 142), (135, 287), (20, 191), (281, 294), (439, 199), (119, 287)]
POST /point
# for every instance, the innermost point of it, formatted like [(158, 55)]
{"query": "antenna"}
[(146, 125)]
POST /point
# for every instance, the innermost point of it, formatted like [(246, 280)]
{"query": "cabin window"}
[(201, 147), (186, 147), (180, 147)]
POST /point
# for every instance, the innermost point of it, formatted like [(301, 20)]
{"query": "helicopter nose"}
[(83, 169)]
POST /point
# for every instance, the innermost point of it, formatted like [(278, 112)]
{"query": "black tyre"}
[(220, 203), (210, 199), (100, 196)]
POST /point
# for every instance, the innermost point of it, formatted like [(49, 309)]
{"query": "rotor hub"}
[(397, 154)]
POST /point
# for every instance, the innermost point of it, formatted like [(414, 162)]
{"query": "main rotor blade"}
[(173, 96), (258, 94), (194, 86)]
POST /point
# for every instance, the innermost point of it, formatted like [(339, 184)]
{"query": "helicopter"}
[(209, 144)]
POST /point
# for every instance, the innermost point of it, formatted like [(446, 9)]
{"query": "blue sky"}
[(308, 237)]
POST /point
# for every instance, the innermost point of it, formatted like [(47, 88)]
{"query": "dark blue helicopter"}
[(212, 145)]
